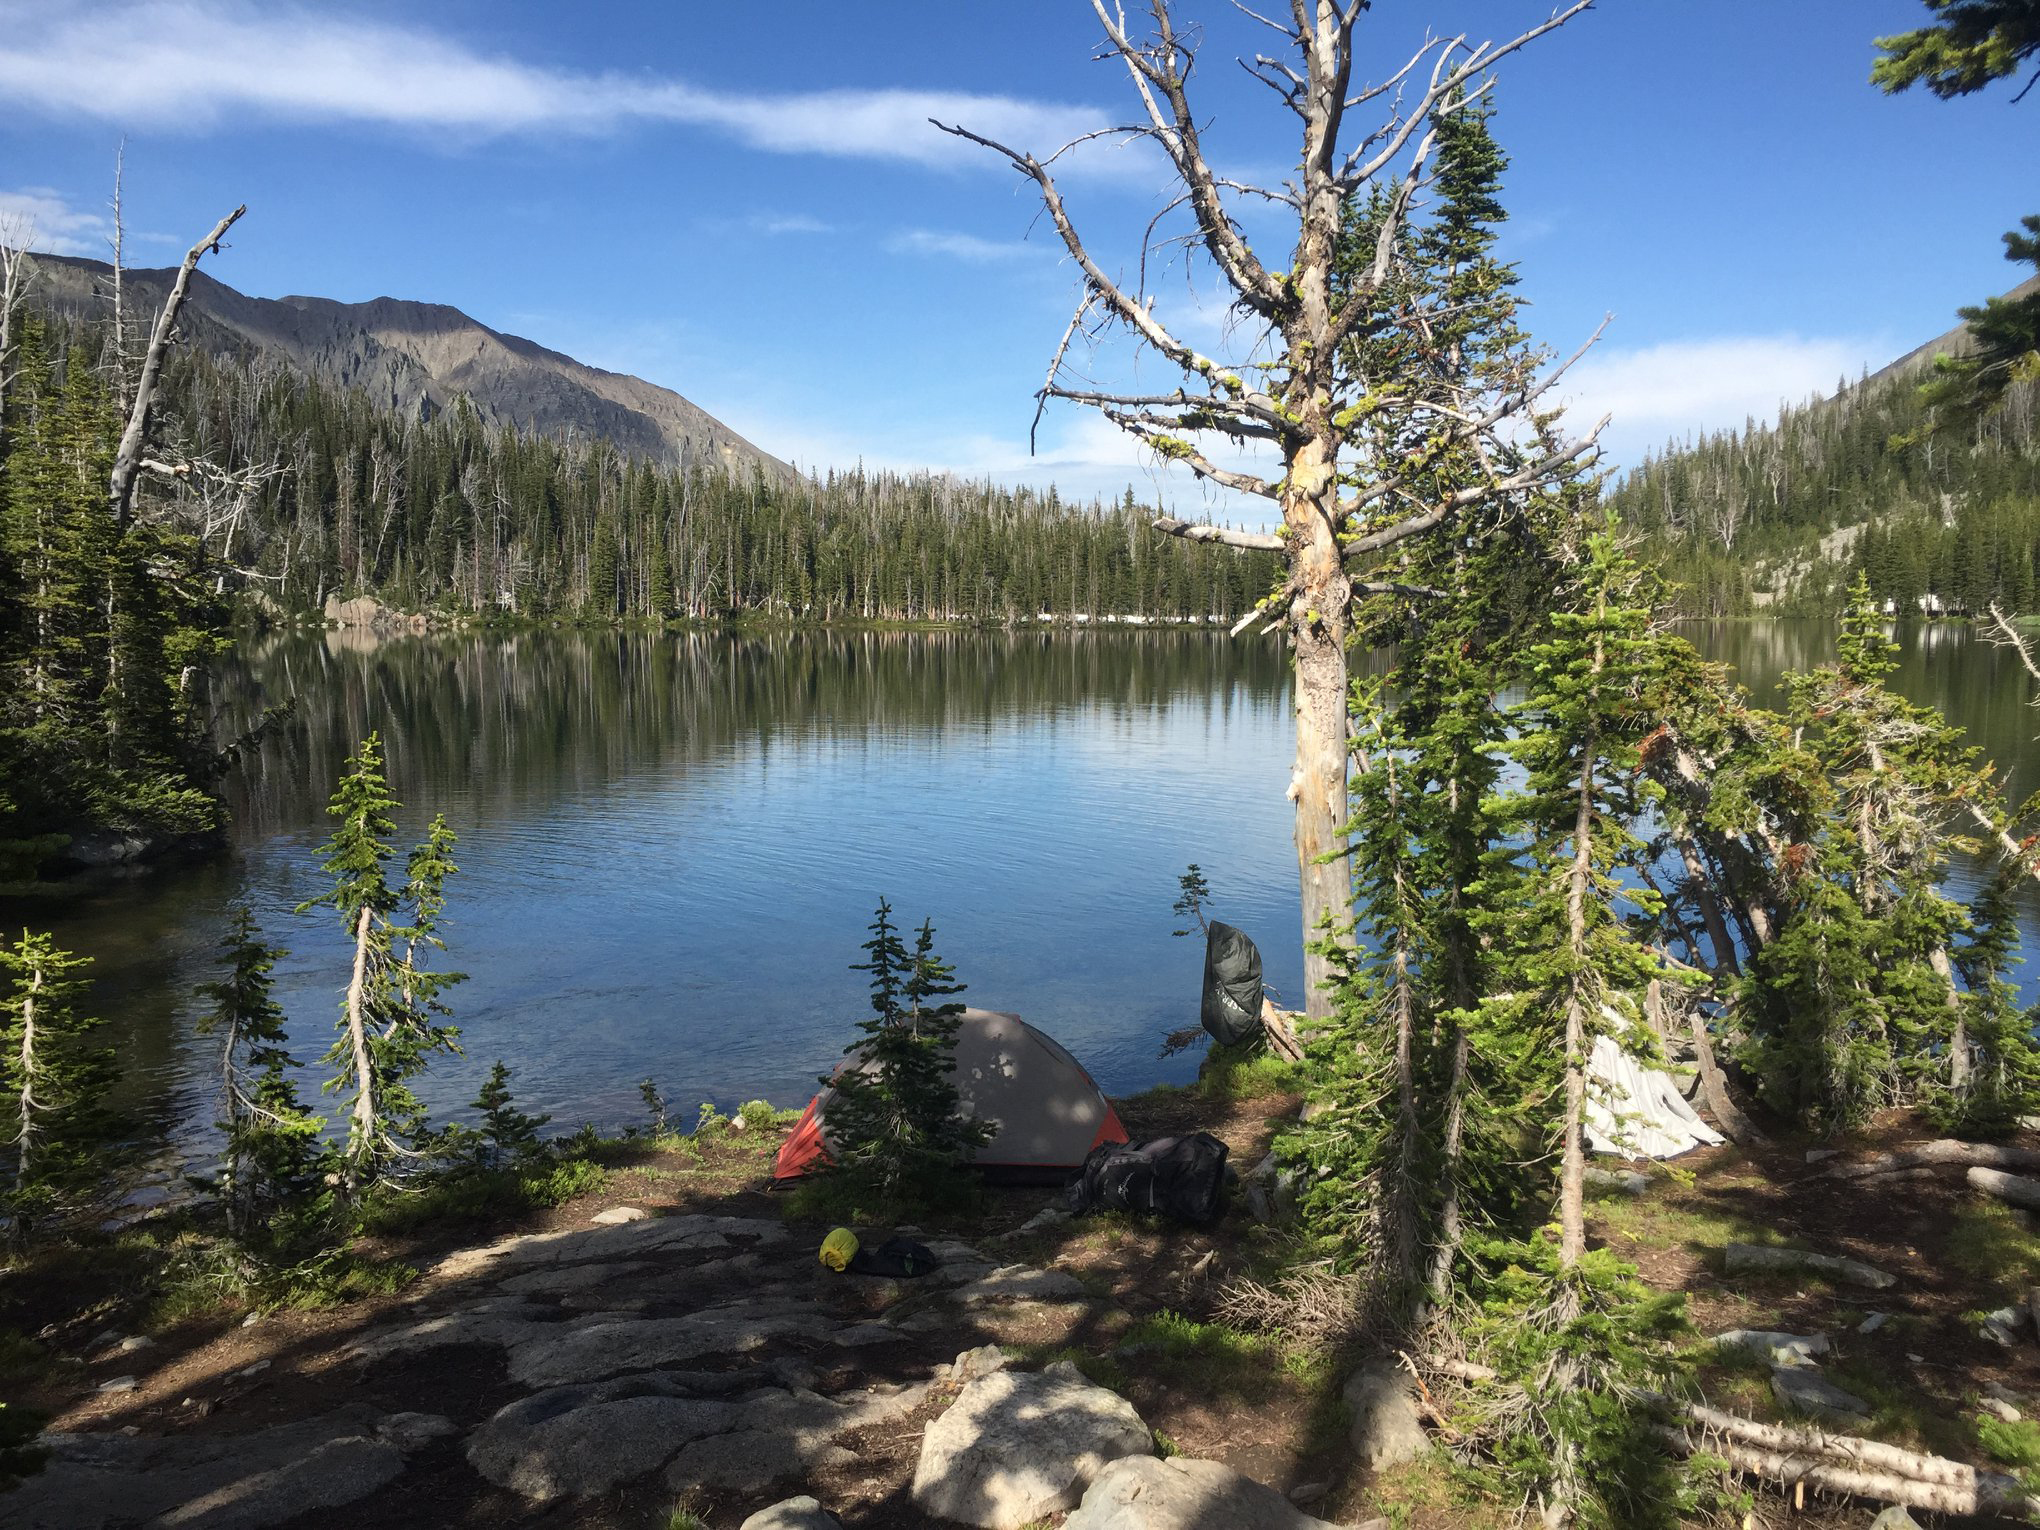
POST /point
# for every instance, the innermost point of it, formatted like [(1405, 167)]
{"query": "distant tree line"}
[(447, 514), (1949, 516)]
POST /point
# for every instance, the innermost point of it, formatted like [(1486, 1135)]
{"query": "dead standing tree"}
[(1342, 510)]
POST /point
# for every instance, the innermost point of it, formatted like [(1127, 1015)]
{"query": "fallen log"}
[(1981, 1493), (1805, 1457), (2016, 1188), (1945, 1151), (1762, 1258)]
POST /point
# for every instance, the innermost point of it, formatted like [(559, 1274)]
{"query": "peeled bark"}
[(127, 459), (357, 1035), (1790, 1466)]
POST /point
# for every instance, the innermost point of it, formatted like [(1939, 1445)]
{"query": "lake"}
[(671, 845)]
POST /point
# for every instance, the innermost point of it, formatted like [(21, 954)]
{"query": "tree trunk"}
[(1734, 1125), (1320, 615), (364, 1073), (25, 1139)]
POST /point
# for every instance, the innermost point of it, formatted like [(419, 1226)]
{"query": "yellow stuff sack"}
[(839, 1248)]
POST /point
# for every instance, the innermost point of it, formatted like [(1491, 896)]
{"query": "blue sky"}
[(744, 203)]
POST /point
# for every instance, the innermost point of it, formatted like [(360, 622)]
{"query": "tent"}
[(1048, 1110)]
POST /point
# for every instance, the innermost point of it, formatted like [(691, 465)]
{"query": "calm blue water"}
[(671, 845)]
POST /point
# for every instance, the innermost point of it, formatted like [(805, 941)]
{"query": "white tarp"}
[(1637, 1112)]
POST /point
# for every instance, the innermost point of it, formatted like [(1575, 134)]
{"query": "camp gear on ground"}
[(896, 1258), (1232, 986), (1046, 1110), (1179, 1177), (1635, 1110), (839, 1248)]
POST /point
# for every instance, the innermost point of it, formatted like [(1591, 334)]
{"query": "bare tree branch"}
[(127, 459), (1136, 315), (1199, 531)]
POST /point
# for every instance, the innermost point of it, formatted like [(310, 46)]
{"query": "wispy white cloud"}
[(929, 241), (37, 218), (183, 64), (1684, 387), (788, 223)]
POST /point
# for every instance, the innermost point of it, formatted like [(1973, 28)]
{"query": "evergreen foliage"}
[(1856, 1003), (1973, 44), (1779, 518), (447, 515), (506, 1137), (895, 1126), (105, 627), (391, 1020), (2005, 344), (55, 1131), (1500, 930), (20, 1453), (273, 1166)]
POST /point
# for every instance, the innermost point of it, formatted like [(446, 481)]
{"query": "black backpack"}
[(1179, 1177)]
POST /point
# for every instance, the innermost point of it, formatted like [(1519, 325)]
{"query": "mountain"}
[(418, 359), (1780, 517), (1955, 342)]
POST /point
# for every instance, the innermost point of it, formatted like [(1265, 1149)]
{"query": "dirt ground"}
[(1217, 1395)]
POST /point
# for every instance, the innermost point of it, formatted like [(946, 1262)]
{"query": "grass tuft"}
[(1988, 1241)]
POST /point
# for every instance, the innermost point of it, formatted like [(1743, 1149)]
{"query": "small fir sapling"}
[(54, 1126), (510, 1136), (896, 1123), (655, 1106), (272, 1166), (390, 1018)]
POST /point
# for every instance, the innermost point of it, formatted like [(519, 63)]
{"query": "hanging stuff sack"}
[(1232, 986), (1178, 1177)]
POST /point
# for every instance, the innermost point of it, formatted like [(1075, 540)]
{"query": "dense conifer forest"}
[(1779, 518), (446, 515)]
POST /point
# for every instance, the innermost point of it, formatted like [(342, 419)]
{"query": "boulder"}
[(2003, 1325), (1618, 1181), (1775, 1348), (616, 1216), (573, 1442), (219, 1482), (1894, 1518), (1143, 1493), (1017, 1446), (802, 1513), (749, 1458), (1387, 1428), (1805, 1389), (409, 1432), (973, 1363), (1019, 1282)]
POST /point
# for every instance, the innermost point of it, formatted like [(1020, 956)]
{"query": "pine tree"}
[(896, 1127), (508, 1134), (271, 1177), (55, 1076), (390, 1016), (1856, 1004)]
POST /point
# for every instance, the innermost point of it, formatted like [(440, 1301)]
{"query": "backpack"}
[(1178, 1177)]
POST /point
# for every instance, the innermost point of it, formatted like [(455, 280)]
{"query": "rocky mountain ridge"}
[(420, 358)]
